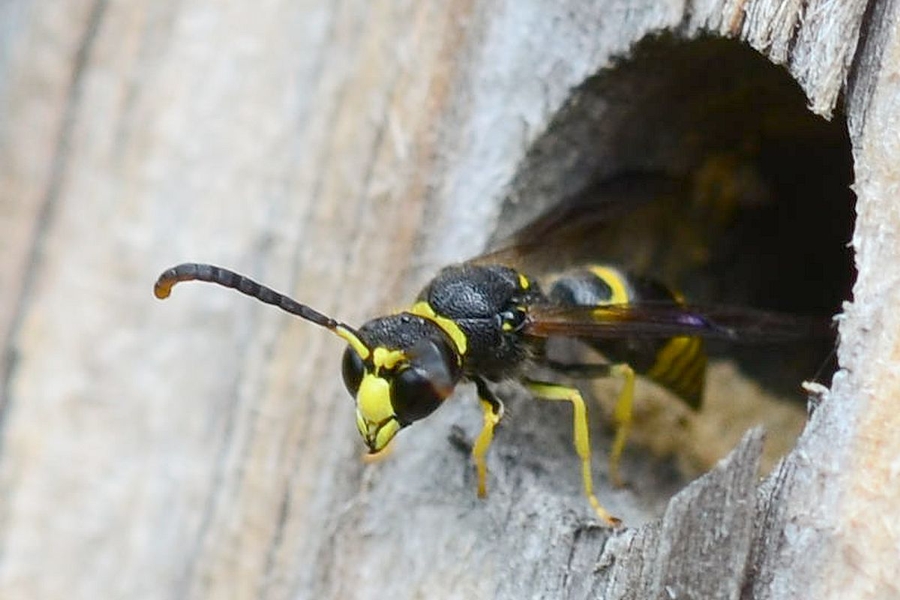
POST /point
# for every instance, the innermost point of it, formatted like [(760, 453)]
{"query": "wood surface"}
[(205, 448)]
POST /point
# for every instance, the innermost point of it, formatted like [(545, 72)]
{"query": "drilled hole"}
[(735, 130)]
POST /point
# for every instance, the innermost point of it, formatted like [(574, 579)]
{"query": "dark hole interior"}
[(760, 212)]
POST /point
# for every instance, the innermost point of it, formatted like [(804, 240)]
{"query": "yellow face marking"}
[(616, 282), (424, 310), (373, 399), (385, 434), (523, 282), (377, 436), (375, 418), (386, 359)]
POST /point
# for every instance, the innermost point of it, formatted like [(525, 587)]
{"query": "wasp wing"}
[(576, 229), (666, 320)]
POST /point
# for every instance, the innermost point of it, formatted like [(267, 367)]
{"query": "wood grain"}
[(204, 447)]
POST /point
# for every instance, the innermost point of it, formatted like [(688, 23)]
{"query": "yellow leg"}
[(553, 391), (622, 417), (493, 412)]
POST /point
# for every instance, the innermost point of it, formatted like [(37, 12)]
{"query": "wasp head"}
[(402, 371)]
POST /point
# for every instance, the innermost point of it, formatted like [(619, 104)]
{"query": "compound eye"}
[(352, 369), (413, 395), (429, 377)]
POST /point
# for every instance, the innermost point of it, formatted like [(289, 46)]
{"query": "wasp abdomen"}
[(677, 363)]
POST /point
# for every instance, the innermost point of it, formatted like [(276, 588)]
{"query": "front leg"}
[(492, 408)]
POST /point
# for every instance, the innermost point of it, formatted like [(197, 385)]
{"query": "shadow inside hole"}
[(757, 209)]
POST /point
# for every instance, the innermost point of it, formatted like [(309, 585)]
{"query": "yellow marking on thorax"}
[(523, 282), (616, 282), (424, 310)]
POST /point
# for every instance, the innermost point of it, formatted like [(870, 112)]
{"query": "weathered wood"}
[(341, 152), (673, 557)]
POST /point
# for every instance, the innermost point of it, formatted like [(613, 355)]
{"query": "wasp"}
[(486, 321)]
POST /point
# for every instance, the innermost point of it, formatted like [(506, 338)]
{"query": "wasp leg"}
[(555, 391), (623, 408), (492, 408), (622, 416)]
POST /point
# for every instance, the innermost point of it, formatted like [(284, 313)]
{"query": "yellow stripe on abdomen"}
[(680, 366), (616, 282)]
